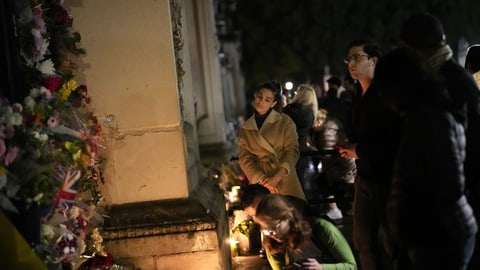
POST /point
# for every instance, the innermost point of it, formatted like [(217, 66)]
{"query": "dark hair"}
[(404, 79), (334, 80), (369, 47), (278, 207), (473, 58), (250, 192), (277, 91), (422, 30)]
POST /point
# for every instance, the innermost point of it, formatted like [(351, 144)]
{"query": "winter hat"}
[(423, 30)]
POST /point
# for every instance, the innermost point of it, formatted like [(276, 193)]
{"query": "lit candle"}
[(233, 246)]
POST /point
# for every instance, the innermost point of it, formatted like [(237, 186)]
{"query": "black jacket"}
[(427, 201), (466, 97), (303, 118), (376, 131)]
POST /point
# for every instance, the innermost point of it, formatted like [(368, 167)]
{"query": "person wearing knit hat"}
[(423, 30), (424, 33), (472, 62)]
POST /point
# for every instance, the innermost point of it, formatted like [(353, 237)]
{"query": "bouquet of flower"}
[(49, 144)]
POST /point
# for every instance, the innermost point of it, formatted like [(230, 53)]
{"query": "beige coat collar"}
[(271, 118), (250, 124)]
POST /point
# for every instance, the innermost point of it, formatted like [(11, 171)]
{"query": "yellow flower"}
[(76, 156), (67, 89)]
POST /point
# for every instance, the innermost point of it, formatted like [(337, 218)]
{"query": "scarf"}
[(439, 56), (259, 119)]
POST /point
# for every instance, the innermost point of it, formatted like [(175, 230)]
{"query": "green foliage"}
[(245, 227)]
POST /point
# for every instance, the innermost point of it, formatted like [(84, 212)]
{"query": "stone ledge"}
[(156, 218)]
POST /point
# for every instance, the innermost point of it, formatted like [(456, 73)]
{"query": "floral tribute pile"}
[(49, 143)]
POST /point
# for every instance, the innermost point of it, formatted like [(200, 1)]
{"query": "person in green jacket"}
[(295, 241)]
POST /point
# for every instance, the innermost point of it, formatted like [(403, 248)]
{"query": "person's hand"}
[(311, 264), (270, 184), (347, 151)]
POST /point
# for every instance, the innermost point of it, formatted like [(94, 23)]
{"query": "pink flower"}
[(37, 11), (17, 107), (53, 120), (44, 91), (38, 19), (11, 155), (84, 134)]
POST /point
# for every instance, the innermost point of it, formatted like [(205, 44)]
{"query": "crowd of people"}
[(399, 134)]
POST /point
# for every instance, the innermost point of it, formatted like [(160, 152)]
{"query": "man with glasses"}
[(374, 140)]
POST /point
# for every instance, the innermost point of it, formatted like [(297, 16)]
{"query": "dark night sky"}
[(296, 39)]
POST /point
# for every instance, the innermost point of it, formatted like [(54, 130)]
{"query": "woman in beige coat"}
[(268, 145)]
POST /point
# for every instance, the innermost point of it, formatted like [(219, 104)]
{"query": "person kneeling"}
[(294, 240)]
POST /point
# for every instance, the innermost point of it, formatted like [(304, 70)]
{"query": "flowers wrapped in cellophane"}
[(50, 143)]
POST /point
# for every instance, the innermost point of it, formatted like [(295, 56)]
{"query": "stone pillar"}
[(206, 73), (139, 76)]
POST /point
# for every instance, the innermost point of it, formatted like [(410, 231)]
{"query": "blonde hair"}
[(321, 116), (306, 96)]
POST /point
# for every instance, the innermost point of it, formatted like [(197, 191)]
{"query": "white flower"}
[(44, 91), (7, 110), (34, 92), (43, 49), (14, 119), (47, 232), (17, 107), (36, 33), (29, 103), (46, 67), (42, 137)]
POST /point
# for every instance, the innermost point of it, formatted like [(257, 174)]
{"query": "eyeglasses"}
[(272, 232), (354, 57)]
